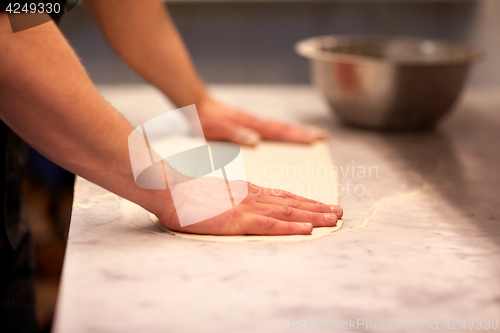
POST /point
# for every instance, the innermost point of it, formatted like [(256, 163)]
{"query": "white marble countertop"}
[(421, 244)]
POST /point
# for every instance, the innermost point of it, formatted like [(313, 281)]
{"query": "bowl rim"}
[(310, 48)]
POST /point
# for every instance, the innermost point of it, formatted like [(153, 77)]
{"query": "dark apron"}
[(17, 278), (17, 306)]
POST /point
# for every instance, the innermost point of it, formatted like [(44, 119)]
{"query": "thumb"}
[(245, 136), (232, 132)]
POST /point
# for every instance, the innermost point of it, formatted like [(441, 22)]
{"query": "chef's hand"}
[(153, 48), (226, 123), (264, 211)]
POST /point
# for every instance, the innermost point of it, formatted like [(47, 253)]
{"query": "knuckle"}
[(288, 228), (292, 203), (287, 210), (265, 191), (254, 189), (270, 223), (321, 208), (281, 194)]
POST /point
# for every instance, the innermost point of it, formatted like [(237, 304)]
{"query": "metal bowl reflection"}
[(388, 83)]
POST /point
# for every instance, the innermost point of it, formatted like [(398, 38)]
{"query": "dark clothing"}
[(17, 312), (55, 16), (17, 279)]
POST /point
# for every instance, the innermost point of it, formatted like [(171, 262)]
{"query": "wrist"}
[(159, 202), (196, 95), (203, 101)]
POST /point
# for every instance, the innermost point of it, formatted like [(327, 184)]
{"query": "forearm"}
[(145, 37), (47, 99)]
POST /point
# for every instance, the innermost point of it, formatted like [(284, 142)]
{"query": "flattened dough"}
[(306, 170)]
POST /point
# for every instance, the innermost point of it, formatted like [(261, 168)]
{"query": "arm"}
[(145, 37), (48, 100)]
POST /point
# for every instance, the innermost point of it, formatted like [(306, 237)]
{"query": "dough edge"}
[(316, 233)]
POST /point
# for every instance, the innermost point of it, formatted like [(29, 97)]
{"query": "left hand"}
[(223, 122), (261, 212)]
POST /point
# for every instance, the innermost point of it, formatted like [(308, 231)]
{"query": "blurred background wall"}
[(251, 41), (244, 41)]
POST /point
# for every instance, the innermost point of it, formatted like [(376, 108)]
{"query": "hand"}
[(225, 123), (264, 211)]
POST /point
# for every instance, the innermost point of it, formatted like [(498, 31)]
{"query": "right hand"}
[(264, 211)]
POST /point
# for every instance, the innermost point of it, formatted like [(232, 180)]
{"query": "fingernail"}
[(337, 210), (330, 216), (247, 137), (316, 133)]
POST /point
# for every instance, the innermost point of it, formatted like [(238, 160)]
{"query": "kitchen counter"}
[(420, 241)]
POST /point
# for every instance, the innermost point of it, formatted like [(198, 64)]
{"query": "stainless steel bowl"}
[(388, 83)]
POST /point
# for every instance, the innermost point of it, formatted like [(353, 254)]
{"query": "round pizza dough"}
[(299, 169)]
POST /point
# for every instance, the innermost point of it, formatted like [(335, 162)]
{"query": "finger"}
[(274, 130), (337, 210), (301, 205), (287, 213), (266, 194), (265, 225), (230, 131)]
